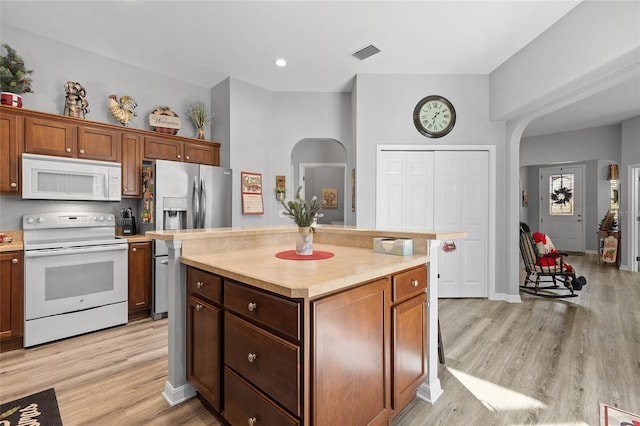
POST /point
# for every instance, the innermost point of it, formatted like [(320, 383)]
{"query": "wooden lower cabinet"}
[(355, 357), (204, 365), (350, 372), (11, 300), (139, 280)]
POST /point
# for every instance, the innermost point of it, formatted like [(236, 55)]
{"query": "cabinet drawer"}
[(409, 283), (275, 312), (267, 361), (244, 405), (205, 284)]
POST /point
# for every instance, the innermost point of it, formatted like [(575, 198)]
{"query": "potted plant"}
[(304, 215), (280, 193), (14, 78), (200, 116)]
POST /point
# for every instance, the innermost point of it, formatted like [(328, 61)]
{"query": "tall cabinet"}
[(11, 300)]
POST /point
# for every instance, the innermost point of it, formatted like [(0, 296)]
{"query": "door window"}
[(561, 198)]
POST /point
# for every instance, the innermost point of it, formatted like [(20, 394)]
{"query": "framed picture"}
[(251, 190), (252, 204), (330, 198)]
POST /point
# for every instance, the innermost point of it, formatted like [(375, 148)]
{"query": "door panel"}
[(444, 191), (566, 228)]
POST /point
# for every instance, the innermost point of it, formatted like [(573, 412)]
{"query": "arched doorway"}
[(319, 165)]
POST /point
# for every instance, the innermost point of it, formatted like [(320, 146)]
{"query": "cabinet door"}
[(11, 300), (201, 154), (139, 277), (96, 143), (50, 137), (131, 165), (162, 149), (350, 347), (10, 152), (203, 350), (409, 349)]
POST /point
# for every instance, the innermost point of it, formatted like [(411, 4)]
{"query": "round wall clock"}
[(434, 116)]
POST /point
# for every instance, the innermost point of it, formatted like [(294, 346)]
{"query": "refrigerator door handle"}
[(203, 203), (195, 199)]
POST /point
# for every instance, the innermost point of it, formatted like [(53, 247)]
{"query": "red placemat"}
[(291, 255)]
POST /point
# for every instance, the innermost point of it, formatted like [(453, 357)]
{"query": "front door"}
[(561, 199)]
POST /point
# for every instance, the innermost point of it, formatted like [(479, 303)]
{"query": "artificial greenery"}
[(14, 77), (199, 114), (300, 211)]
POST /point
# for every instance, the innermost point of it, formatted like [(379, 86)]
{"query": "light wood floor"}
[(538, 362)]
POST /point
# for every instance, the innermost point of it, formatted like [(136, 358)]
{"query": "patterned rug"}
[(39, 408), (612, 416)]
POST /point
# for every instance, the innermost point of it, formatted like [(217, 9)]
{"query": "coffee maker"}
[(175, 212)]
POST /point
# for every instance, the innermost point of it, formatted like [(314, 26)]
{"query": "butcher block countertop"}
[(249, 255)]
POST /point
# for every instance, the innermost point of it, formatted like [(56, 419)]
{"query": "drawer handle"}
[(187, 157), (141, 303), (68, 149), (134, 249), (199, 284), (198, 307), (414, 283), (252, 421), (82, 151), (179, 156), (14, 185), (251, 357), (252, 306), (14, 260)]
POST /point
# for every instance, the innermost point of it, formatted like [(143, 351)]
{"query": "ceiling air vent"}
[(365, 52)]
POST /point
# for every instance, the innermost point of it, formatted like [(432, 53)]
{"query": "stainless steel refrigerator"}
[(180, 196)]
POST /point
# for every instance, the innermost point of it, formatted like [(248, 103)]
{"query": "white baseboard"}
[(511, 298), (175, 396)]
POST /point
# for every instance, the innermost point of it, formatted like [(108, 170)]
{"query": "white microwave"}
[(47, 177)]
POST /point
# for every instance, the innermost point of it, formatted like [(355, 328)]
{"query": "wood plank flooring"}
[(538, 362)]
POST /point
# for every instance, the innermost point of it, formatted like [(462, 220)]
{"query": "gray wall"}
[(596, 148), (592, 34)]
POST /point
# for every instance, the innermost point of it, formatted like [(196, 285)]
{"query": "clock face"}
[(434, 116)]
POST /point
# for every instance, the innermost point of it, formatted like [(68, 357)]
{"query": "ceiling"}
[(206, 41)]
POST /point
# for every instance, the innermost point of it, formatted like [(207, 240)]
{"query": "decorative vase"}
[(11, 99), (304, 241), (200, 133)]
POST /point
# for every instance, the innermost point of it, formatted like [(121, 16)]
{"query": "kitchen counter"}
[(135, 238), (248, 255), (15, 245)]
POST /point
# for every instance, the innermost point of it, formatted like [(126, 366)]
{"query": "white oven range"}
[(75, 276)]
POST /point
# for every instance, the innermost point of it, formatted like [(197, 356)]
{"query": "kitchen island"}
[(358, 322)]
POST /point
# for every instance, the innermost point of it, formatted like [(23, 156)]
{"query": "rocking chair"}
[(556, 272)]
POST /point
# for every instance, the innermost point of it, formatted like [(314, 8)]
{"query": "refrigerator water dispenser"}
[(175, 213)]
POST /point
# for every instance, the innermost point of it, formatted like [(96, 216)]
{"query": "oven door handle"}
[(74, 250)]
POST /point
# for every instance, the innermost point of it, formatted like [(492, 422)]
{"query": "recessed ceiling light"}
[(280, 62)]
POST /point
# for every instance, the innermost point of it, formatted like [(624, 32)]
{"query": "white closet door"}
[(461, 203), (442, 191), (405, 190)]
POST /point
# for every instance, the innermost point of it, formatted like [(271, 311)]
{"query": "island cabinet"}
[(204, 335), (139, 270), (10, 151), (353, 357), (11, 300)]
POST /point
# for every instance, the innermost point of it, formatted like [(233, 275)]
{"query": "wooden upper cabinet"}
[(131, 160), (97, 143), (50, 137), (201, 154), (163, 149), (10, 152)]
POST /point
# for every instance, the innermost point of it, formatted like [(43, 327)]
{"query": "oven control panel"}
[(67, 220)]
